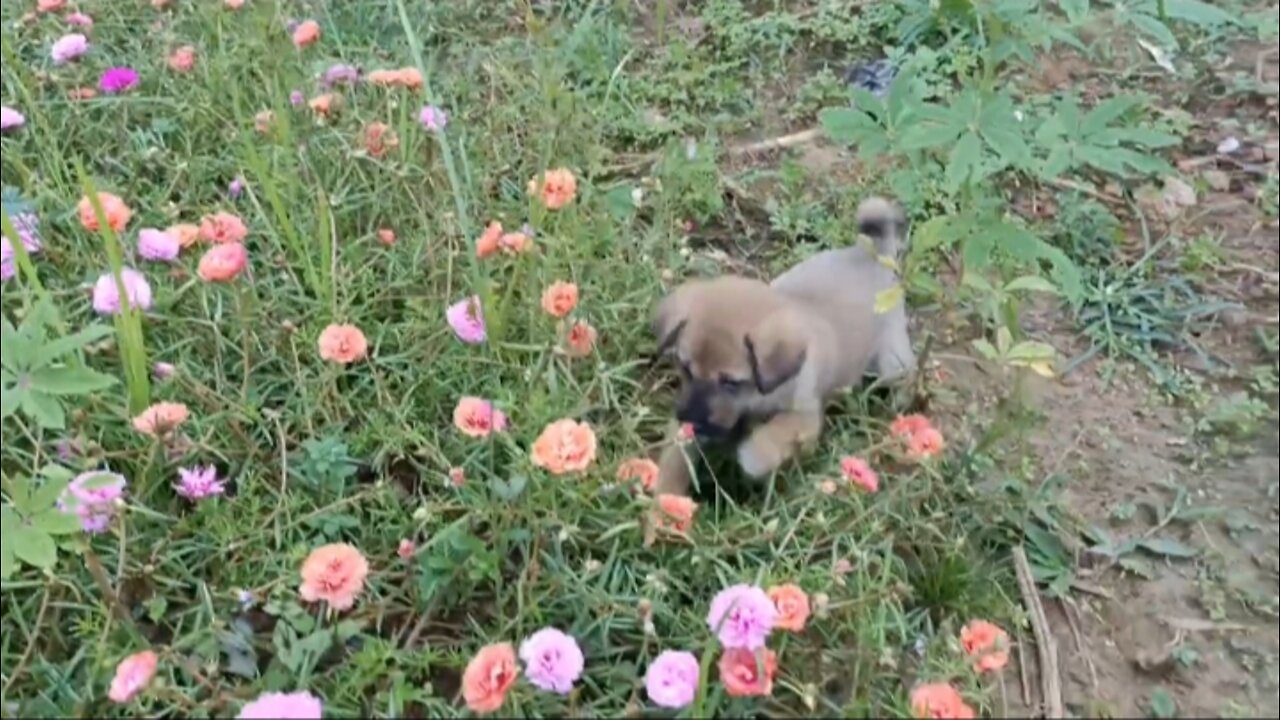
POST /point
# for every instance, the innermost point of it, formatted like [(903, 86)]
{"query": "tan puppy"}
[(759, 362)]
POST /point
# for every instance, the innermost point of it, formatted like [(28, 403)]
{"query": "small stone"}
[(1228, 146), (1218, 180)]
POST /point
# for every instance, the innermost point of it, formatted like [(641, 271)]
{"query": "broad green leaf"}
[(34, 547), (8, 565), (55, 349), (20, 493), (1009, 144), (57, 522), (56, 472), (1107, 112), (934, 233), (976, 251), (8, 345), (1145, 137), (844, 125), (70, 381), (46, 495), (1199, 13), (317, 643), (986, 349), (1004, 340), (620, 202), (1031, 283), (1168, 548), (46, 410), (964, 161), (887, 300), (1154, 28), (1163, 705), (1059, 161), (869, 104), (1031, 352), (1076, 10), (10, 399)]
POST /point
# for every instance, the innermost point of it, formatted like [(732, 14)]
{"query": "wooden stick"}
[(1050, 679), (778, 143)]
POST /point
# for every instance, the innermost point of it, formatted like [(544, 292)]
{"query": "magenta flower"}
[(742, 617), (117, 80), (296, 98), (10, 119), (158, 245), (552, 660), (433, 118), (92, 497), (8, 267), (672, 679), (163, 370), (106, 294), (68, 48), (235, 188), (199, 483), (466, 318), (340, 75), (283, 706)]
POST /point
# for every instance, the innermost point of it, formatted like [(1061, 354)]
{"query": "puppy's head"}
[(736, 342)]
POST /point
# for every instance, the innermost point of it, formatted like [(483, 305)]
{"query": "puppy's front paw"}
[(759, 455)]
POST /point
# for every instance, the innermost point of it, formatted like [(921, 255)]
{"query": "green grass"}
[(319, 453)]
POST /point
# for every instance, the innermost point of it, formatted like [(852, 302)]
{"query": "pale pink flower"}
[(11, 119), (106, 293), (158, 245), (859, 472), (92, 496), (466, 318), (283, 706), (672, 679), (406, 549), (742, 616), (552, 660), (68, 48), (132, 675), (199, 483), (433, 118), (78, 19)]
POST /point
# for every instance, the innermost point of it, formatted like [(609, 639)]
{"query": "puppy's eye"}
[(732, 384), (684, 368)]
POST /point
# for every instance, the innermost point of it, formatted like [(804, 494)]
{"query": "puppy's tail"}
[(885, 223)]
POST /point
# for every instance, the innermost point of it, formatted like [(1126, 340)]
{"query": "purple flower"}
[(672, 679), (466, 318), (340, 75), (742, 617), (158, 245), (117, 80), (77, 19), (28, 227), (235, 188), (283, 706), (199, 483), (106, 294), (433, 118), (7, 265), (68, 48), (10, 119), (163, 370), (92, 497), (552, 660), (296, 98)]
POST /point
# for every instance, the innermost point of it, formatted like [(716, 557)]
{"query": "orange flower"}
[(476, 417), (323, 105), (233, 4), (557, 189), (940, 702), (186, 234), (334, 574), (675, 513), (793, 607), (307, 32), (560, 299), (82, 93), (223, 263), (409, 77), (379, 138), (907, 426), (384, 78), (262, 121), (565, 446), (740, 672), (580, 339), (161, 419), (641, 470), (489, 677), (987, 644), (50, 6), (183, 59), (487, 245), (387, 236), (515, 243), (223, 227), (343, 344), (113, 209)]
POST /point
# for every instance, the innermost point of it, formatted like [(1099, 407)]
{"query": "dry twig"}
[(778, 143), (1050, 679)]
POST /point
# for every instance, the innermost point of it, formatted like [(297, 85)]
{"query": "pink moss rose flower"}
[(742, 616), (92, 497), (433, 118), (133, 674), (283, 706), (466, 318), (117, 80), (552, 660), (199, 483), (11, 119), (106, 293), (672, 679), (158, 245), (859, 472), (68, 48)]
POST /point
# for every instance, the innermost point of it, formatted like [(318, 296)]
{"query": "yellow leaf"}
[(888, 262), (1043, 369), (887, 300)]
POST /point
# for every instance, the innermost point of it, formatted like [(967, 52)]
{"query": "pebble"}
[(1228, 146)]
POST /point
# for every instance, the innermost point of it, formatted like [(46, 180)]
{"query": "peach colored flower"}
[(580, 339), (476, 417), (675, 513), (940, 702), (186, 234), (740, 672), (379, 138), (828, 487), (223, 263), (223, 227), (409, 77), (639, 470), (489, 677), (908, 425), (133, 674), (926, 444), (82, 93), (50, 6), (406, 549), (160, 4), (113, 209), (161, 419), (793, 607), (515, 243), (343, 344), (182, 60), (387, 236), (307, 33), (334, 574), (324, 105), (487, 244), (384, 78), (457, 477), (556, 188), (233, 4), (859, 472), (565, 446), (987, 643), (262, 121), (559, 299)]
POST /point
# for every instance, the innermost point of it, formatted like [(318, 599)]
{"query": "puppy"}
[(760, 361)]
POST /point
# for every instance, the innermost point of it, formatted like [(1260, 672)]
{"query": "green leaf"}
[(986, 349), (1031, 352), (1009, 144), (1075, 10), (10, 400), (934, 233), (1107, 112), (8, 565), (1199, 13), (1145, 137), (620, 202), (9, 345), (70, 381), (46, 495), (976, 251), (34, 547), (46, 410), (845, 125), (55, 349), (964, 161), (1156, 29), (317, 643), (1031, 283), (1168, 548), (1163, 704), (57, 522)]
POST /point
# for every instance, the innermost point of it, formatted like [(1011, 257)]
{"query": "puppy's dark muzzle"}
[(695, 410)]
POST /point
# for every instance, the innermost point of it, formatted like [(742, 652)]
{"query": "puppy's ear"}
[(670, 318), (776, 351)]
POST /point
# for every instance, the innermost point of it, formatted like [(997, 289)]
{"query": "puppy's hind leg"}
[(776, 441)]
